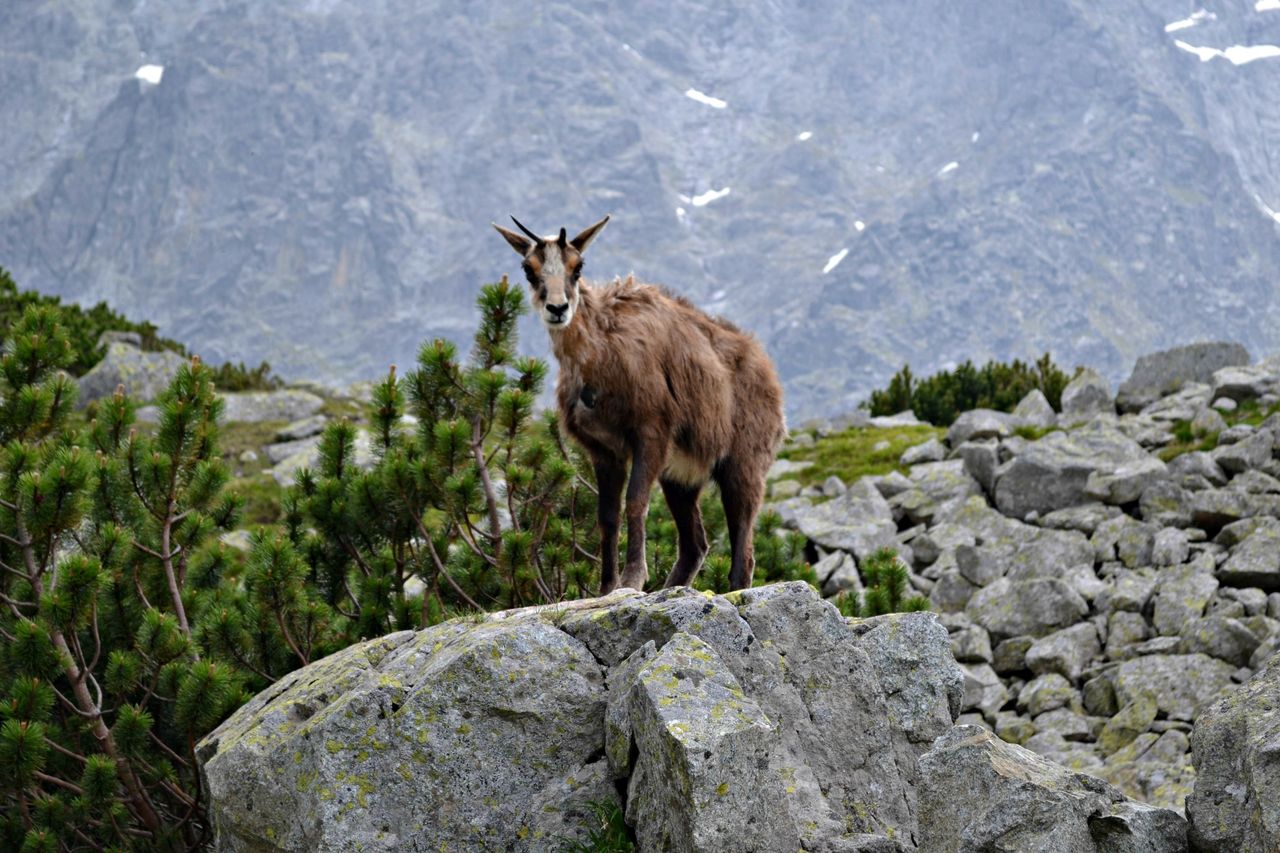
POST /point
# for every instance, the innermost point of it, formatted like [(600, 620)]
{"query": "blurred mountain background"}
[(862, 185)]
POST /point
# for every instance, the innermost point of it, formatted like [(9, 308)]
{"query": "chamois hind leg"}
[(742, 493), (611, 475), (683, 503)]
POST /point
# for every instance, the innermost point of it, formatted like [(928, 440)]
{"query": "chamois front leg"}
[(611, 475), (646, 465)]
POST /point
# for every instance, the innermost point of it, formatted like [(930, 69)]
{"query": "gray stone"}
[(786, 467), (277, 453), (979, 566), (981, 459), (285, 404), (951, 593), (1225, 404), (1124, 631), (979, 424), (911, 656), (838, 572), (983, 690), (1130, 721), (1045, 693), (1163, 373), (928, 546), (1220, 637), (1245, 382), (1017, 545), (1212, 509), (1126, 591), (1053, 472), (1099, 696), (1012, 728), (1034, 410), (1011, 655), (1253, 451), (1035, 607), (1197, 463), (1085, 397), (324, 758), (304, 428), (1235, 807), (1166, 504), (971, 645), (1182, 684), (860, 521), (833, 486), (1170, 547), (1182, 594), (1255, 561), (1084, 518), (1066, 652), (144, 375), (1126, 483), (307, 455), (1028, 803), (705, 755), (1064, 722)]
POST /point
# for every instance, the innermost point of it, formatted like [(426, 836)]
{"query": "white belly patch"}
[(686, 470)]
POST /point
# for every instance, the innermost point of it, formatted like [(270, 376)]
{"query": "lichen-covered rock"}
[(1035, 410), (1182, 593), (1037, 607), (704, 778), (1235, 807), (472, 735), (143, 374), (1255, 561), (1181, 684), (1066, 652), (1054, 472), (980, 793)]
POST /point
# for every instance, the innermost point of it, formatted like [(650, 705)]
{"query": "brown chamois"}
[(646, 377)]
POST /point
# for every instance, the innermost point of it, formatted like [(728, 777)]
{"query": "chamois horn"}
[(527, 232)]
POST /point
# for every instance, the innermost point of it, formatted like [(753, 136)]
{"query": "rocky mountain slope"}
[(311, 182)]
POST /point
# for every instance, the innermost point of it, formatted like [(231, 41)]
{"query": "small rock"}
[(1208, 422), (783, 489), (1129, 722), (1034, 410), (1182, 594), (979, 424), (1066, 652), (1045, 693), (1034, 607), (1011, 655), (833, 486), (1085, 397), (1182, 684), (931, 451), (1170, 547), (304, 428), (1221, 637), (1013, 728)]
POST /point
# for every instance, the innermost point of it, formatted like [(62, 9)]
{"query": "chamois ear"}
[(584, 239), (519, 242)]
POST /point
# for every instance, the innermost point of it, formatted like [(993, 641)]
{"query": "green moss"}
[(858, 452), (1034, 433)]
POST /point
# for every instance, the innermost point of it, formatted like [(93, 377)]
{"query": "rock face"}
[(754, 721), (1236, 747), (1163, 373), (143, 374)]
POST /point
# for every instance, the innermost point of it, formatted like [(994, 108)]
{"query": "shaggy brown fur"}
[(648, 378)]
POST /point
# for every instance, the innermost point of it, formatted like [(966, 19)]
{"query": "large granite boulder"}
[(286, 405), (1055, 472), (1163, 373), (978, 793), (754, 721), (143, 374), (1235, 745)]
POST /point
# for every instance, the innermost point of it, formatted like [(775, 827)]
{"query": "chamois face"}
[(553, 266)]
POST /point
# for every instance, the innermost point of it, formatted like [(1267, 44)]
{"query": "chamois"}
[(648, 378)]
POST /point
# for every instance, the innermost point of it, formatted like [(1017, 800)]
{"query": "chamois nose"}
[(557, 310)]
